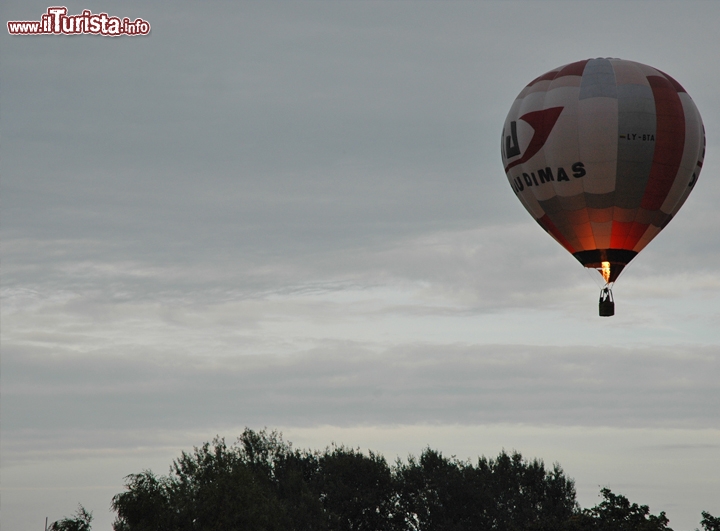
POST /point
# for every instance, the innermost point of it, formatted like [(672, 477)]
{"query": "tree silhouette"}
[(710, 522), (261, 483), (80, 522)]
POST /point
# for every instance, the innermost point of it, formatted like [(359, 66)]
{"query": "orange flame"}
[(606, 271)]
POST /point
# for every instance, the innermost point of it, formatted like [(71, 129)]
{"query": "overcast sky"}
[(294, 215)]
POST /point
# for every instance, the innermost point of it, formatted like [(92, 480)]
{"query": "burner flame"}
[(605, 270)]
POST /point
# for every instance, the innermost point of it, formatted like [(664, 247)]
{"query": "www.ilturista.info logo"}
[(57, 22)]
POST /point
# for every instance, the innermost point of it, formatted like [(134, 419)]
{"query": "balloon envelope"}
[(603, 153)]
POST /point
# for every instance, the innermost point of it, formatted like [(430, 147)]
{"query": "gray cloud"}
[(349, 384), (312, 127)]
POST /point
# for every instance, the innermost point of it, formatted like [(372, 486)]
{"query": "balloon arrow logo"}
[(542, 123)]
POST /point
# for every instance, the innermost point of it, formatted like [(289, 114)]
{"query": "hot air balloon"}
[(603, 153)]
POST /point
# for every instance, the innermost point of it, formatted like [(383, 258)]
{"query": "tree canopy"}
[(80, 522), (261, 483)]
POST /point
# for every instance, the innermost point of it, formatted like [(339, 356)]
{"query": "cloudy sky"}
[(294, 215)]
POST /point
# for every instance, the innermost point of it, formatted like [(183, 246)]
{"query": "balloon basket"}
[(607, 309), (606, 303)]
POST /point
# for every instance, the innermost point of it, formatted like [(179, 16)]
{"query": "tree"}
[(146, 504), (507, 493), (439, 493), (615, 513), (357, 491), (212, 488), (261, 483), (710, 522), (81, 522)]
